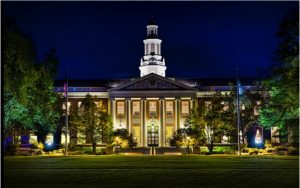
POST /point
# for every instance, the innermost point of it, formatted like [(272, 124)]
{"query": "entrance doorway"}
[(152, 134)]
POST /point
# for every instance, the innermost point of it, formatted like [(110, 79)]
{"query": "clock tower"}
[(152, 61)]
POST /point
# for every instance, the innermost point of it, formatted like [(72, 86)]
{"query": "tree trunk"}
[(211, 146), (94, 147), (41, 138)]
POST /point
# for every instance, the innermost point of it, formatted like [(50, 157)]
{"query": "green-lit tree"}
[(19, 77), (45, 103), (281, 105), (29, 99)]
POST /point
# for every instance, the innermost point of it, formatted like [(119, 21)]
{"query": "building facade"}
[(153, 106)]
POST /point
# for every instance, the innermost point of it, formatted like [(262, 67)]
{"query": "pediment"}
[(152, 82)]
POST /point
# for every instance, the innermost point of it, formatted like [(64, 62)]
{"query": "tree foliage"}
[(29, 99), (281, 106), (94, 122)]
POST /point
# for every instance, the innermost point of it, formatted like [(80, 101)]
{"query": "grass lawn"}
[(151, 171)]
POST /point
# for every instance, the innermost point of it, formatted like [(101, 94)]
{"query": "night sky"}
[(104, 40)]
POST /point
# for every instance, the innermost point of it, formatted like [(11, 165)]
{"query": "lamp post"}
[(118, 144), (238, 110), (66, 88), (188, 144)]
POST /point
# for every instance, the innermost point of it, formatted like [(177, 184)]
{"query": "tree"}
[(251, 102), (195, 124), (29, 99), (19, 78), (95, 122), (214, 117), (15, 118), (248, 104), (281, 105), (45, 103)]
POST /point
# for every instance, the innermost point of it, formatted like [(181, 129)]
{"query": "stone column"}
[(142, 124), (178, 114), (160, 129), (128, 112), (113, 112), (162, 122), (175, 115)]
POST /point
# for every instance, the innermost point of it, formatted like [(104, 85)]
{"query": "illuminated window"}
[(169, 108), (136, 108), (64, 107), (152, 108), (185, 107), (79, 103), (120, 108)]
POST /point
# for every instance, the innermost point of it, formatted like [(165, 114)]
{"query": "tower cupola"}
[(152, 61)]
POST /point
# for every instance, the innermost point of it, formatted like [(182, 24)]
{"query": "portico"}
[(152, 108)]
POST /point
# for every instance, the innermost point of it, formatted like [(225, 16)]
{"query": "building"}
[(153, 106)]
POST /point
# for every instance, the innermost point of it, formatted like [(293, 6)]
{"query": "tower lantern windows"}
[(152, 47)]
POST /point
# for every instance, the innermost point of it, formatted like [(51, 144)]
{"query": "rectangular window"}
[(120, 108), (64, 107), (185, 107), (169, 108), (136, 108), (152, 108)]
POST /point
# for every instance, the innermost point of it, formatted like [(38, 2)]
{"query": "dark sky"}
[(98, 40)]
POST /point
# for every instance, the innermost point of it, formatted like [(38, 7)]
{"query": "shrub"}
[(281, 148), (38, 145), (253, 151), (293, 151)]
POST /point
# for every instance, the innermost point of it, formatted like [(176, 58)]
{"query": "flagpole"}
[(238, 110), (67, 118)]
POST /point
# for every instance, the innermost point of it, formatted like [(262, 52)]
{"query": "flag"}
[(66, 84), (65, 89), (240, 87)]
